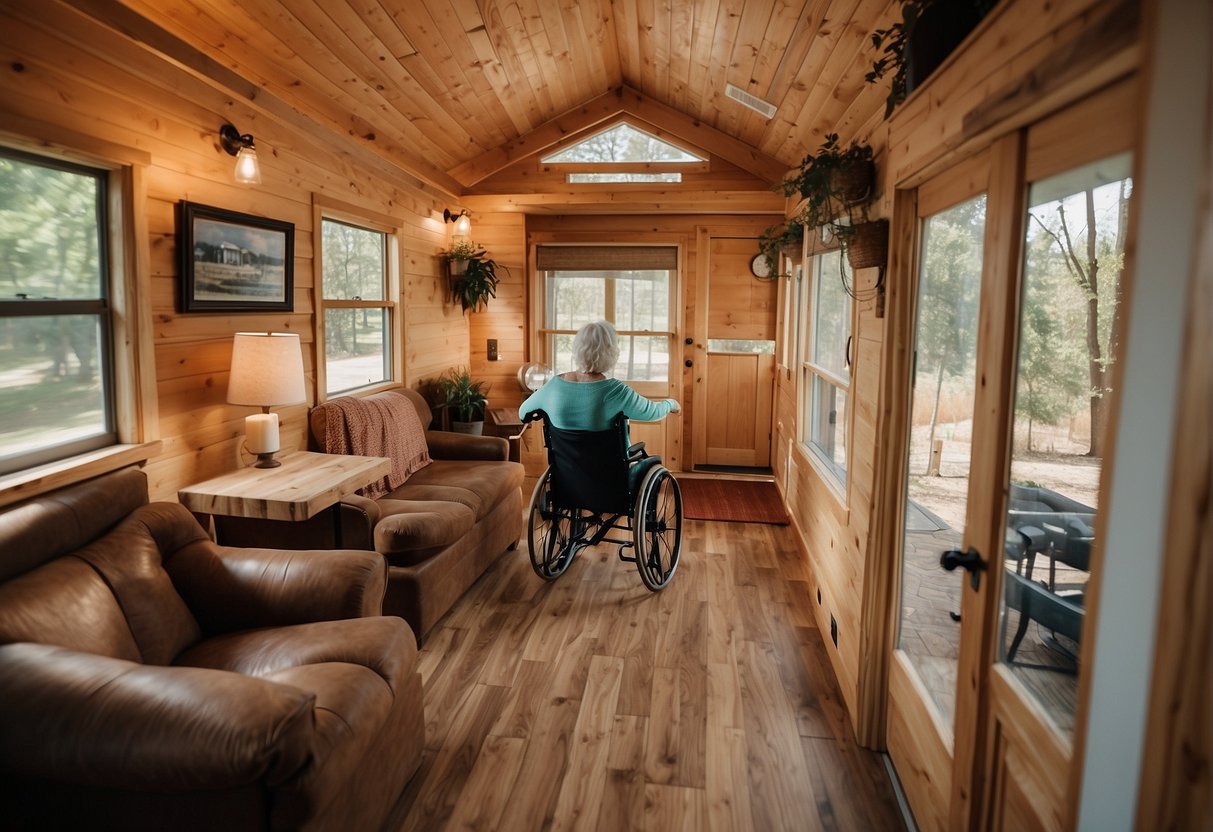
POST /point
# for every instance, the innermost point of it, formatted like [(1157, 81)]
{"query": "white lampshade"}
[(267, 370), (463, 226)]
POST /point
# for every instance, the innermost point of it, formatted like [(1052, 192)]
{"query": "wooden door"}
[(734, 382), (1002, 464)]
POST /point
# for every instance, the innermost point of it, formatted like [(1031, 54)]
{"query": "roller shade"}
[(605, 258)]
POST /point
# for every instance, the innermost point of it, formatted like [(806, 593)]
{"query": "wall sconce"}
[(462, 220), (267, 370), (248, 169)]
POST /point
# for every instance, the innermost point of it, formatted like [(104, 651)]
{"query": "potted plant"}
[(464, 399), (832, 179), (472, 274), (915, 46), (785, 238), (866, 243)]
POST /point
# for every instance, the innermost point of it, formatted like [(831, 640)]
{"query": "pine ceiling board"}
[(646, 39), (583, 53), (662, 41), (712, 98), (489, 120), (783, 32), (572, 74), (627, 33), (606, 37), (273, 66), (852, 50), (787, 122), (515, 37), (554, 72), (703, 27), (441, 111), (380, 20), (682, 33), (505, 72), (751, 32)]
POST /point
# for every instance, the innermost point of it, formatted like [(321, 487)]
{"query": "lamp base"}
[(267, 461)]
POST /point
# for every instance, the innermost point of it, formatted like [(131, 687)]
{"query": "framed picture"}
[(234, 262)]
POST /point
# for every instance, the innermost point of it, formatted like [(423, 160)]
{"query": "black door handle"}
[(970, 561), (689, 363), (689, 341)]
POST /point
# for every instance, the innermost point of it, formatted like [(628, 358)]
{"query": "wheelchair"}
[(596, 484)]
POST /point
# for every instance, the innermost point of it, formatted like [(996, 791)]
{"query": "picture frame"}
[(234, 262)]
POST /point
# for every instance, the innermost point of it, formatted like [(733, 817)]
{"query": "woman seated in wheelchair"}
[(585, 399), (596, 482)]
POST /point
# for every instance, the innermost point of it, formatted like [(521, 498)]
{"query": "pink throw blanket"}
[(386, 426)]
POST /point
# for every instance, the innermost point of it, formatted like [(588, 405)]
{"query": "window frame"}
[(542, 335), (808, 371), (127, 318), (339, 212)]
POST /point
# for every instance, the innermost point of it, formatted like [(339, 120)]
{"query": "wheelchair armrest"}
[(637, 451)]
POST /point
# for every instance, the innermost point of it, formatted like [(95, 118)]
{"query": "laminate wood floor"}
[(591, 703)]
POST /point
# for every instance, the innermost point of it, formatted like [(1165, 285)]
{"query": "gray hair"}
[(596, 347)]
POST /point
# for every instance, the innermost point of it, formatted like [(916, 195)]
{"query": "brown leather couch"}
[(151, 679), (439, 531)]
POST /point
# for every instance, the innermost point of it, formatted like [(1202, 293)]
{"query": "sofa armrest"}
[(88, 719), (446, 445), (230, 588)]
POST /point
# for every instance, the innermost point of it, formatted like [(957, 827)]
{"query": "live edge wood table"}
[(303, 486)]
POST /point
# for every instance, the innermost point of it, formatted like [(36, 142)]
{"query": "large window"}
[(56, 378), (825, 369), (630, 286), (356, 264)]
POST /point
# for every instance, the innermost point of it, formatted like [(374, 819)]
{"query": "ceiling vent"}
[(764, 108)]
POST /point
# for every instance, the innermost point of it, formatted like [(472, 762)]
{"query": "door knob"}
[(689, 341), (689, 363), (971, 561)]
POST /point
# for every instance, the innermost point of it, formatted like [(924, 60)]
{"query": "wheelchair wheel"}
[(657, 527), (552, 535)]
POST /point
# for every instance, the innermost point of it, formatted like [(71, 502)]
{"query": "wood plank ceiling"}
[(433, 84)]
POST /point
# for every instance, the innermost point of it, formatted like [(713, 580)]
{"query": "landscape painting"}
[(234, 262)]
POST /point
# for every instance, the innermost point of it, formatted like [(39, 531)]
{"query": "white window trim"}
[(324, 208)]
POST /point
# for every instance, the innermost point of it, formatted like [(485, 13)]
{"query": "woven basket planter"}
[(853, 182), (867, 244)]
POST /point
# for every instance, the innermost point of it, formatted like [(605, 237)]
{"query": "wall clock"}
[(760, 266)]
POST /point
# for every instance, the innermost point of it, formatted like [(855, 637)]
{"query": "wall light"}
[(462, 220), (248, 169)]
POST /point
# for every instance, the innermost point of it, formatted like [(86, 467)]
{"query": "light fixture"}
[(248, 169), (267, 370), (462, 220)]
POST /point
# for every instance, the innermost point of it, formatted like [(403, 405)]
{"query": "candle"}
[(261, 433)]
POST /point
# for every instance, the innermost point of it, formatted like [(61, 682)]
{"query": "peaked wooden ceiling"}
[(436, 85)]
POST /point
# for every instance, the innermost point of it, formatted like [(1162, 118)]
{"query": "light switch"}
[(492, 349)]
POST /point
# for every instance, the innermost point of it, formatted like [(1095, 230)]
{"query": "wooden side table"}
[(306, 484)]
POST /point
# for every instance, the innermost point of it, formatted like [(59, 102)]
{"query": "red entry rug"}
[(734, 501)]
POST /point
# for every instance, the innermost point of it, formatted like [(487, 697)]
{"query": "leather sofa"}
[(151, 679), (439, 531)]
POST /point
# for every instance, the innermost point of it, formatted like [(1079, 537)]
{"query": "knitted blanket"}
[(386, 426)]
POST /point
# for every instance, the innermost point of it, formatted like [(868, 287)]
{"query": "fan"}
[(533, 376)]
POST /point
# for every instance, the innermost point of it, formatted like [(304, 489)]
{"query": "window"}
[(356, 275), (825, 370), (621, 144), (589, 178), (56, 376), (630, 286)]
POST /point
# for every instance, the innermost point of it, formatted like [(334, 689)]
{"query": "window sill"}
[(31, 482)]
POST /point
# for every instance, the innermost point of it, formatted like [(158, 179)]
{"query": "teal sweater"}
[(592, 405)]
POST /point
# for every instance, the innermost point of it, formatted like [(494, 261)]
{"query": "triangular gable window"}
[(621, 144)]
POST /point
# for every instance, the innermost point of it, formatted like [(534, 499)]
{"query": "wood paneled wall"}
[(73, 84)]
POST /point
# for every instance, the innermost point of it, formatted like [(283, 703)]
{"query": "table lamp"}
[(267, 370)]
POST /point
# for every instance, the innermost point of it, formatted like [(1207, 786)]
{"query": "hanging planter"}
[(866, 244), (854, 180), (472, 276)]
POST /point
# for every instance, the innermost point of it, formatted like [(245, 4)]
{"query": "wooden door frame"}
[(704, 234)]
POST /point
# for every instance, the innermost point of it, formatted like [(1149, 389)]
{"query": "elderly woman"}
[(586, 399)]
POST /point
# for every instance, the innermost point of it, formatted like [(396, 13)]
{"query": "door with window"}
[(734, 385), (1014, 329)]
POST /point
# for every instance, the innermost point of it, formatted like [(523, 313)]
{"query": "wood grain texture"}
[(686, 709), (305, 484)]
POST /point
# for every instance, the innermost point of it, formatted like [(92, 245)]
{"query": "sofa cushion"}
[(478, 484), (409, 531), (67, 604), (383, 644)]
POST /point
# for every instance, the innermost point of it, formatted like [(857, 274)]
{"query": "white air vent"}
[(764, 108)]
